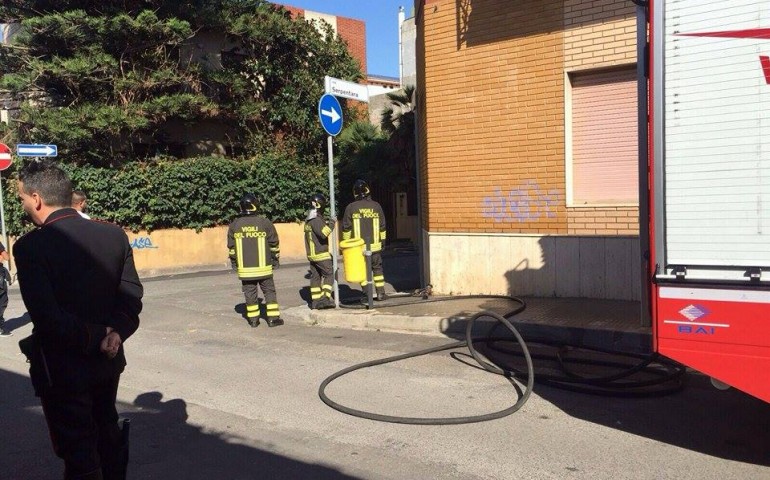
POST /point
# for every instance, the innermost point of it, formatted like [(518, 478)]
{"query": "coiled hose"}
[(665, 376)]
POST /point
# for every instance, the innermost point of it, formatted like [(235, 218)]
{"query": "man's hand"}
[(111, 343)]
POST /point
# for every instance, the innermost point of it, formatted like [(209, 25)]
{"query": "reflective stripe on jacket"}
[(252, 243), (317, 239), (365, 219)]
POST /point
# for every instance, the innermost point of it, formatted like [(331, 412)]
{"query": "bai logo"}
[(757, 33), (695, 323)]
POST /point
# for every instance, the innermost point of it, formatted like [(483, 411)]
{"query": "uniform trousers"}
[(84, 429), (377, 273), (321, 280), (251, 293)]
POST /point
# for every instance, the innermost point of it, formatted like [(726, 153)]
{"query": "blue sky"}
[(381, 18)]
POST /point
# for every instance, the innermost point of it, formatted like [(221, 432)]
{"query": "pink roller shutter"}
[(604, 138)]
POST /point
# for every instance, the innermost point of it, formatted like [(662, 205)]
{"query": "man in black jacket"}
[(80, 286)]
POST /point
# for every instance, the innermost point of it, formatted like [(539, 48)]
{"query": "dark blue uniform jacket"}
[(77, 277)]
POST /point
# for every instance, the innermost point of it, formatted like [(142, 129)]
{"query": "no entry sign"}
[(6, 159)]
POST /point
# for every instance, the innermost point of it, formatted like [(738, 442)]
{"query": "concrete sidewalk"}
[(603, 324), (612, 324)]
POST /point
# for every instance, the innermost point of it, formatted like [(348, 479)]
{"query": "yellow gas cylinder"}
[(353, 258)]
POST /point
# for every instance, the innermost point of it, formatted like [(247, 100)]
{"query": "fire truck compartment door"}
[(717, 133)]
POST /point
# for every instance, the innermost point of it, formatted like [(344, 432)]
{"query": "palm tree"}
[(397, 122), (399, 111)]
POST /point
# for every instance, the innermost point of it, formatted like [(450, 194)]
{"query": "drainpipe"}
[(642, 76), (422, 257), (401, 18)]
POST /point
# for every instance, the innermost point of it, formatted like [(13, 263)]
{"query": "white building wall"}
[(526, 265), (408, 52)]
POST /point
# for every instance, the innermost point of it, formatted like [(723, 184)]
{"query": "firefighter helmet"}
[(249, 204), (318, 201), (360, 189)]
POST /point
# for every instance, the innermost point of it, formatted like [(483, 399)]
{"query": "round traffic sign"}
[(330, 114), (6, 159)]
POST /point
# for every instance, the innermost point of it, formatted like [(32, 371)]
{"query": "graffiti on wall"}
[(142, 242), (526, 202)]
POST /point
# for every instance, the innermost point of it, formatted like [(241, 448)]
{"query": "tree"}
[(111, 81), (397, 122), (105, 82), (400, 110), (279, 67), (361, 153)]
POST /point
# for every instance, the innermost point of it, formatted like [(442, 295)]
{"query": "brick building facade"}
[(528, 163), (349, 29)]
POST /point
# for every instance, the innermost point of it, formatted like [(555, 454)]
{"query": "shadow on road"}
[(12, 324), (163, 444), (724, 424)]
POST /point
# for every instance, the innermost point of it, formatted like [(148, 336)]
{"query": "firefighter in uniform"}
[(317, 231), (252, 242), (365, 219)]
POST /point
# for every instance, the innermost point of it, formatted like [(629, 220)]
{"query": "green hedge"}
[(193, 193)]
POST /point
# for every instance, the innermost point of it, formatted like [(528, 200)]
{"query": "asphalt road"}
[(210, 398)]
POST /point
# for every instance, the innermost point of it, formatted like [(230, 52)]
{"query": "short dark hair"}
[(78, 196), (49, 181)]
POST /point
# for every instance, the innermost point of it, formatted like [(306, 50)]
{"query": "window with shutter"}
[(602, 143)]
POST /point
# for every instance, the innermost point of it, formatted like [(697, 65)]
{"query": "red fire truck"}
[(709, 187)]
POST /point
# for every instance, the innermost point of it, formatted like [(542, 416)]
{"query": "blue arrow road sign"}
[(330, 113), (36, 150)]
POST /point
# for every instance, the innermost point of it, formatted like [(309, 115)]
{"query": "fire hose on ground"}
[(662, 376)]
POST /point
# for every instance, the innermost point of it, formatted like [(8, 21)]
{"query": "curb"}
[(360, 319), (454, 327)]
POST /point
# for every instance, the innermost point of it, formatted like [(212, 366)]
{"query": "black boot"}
[(253, 322), (326, 303), (381, 295), (274, 322)]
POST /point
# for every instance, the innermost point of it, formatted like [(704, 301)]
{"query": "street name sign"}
[(342, 88), (6, 159), (330, 114), (36, 150)]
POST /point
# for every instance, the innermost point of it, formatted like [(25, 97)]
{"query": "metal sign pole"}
[(330, 115), (369, 280), (333, 244)]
